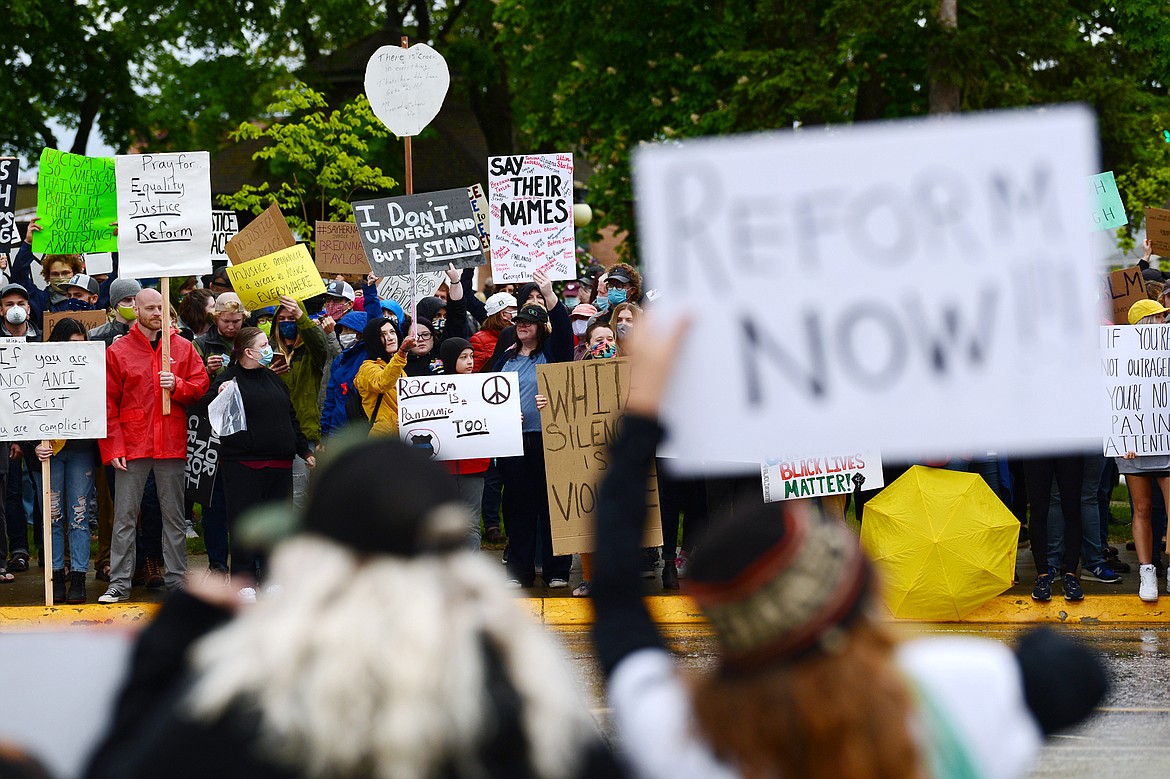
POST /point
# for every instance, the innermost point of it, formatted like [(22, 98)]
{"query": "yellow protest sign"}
[(261, 282)]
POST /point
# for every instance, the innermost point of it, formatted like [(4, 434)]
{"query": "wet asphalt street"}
[(1128, 738)]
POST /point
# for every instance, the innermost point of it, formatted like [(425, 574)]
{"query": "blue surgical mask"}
[(287, 330), (616, 296), (602, 305), (571, 303), (266, 354)]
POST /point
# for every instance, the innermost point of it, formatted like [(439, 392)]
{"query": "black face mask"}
[(437, 327), (73, 304)]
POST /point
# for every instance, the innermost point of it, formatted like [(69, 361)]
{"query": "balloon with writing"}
[(406, 87)]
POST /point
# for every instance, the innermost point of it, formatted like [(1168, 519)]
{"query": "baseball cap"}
[(583, 311), (13, 288), (1144, 308), (498, 302), (88, 283), (572, 288), (340, 289), (533, 313), (618, 274)]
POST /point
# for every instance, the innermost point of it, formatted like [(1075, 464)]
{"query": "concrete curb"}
[(666, 610)]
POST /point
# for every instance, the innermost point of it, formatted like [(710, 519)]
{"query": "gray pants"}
[(129, 486), (471, 495)]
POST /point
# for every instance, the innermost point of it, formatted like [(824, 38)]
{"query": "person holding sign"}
[(302, 352), (72, 483), (140, 440), (437, 321), (377, 378), (57, 270), (525, 484), (257, 462)]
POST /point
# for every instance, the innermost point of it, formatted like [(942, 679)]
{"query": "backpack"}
[(354, 410)]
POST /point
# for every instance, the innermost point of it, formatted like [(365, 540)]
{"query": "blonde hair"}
[(228, 303)]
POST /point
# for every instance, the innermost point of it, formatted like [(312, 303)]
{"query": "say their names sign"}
[(52, 390), (791, 478), (9, 171), (456, 417), (224, 226), (289, 272), (339, 249), (436, 228), (1158, 230), (77, 204), (585, 402), (1125, 287), (530, 214), (266, 234), (1108, 211), (1136, 364), (887, 359), (164, 214)]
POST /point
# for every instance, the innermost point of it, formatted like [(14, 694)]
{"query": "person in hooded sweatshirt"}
[(436, 321), (459, 358), (378, 376), (340, 373)]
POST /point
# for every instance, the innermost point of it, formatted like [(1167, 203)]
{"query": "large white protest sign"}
[(224, 226), (530, 217), (406, 87), (790, 478), (52, 390), (397, 288), (164, 214), (1136, 364), (460, 416), (971, 302)]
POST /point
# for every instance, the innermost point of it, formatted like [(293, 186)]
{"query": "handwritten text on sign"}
[(266, 234), (339, 249), (397, 288), (1124, 288), (1108, 211), (9, 170), (77, 204), (436, 228), (461, 416), (290, 272), (202, 459), (1136, 363), (52, 390), (829, 372), (585, 402), (164, 214), (530, 213), (790, 478), (406, 87)]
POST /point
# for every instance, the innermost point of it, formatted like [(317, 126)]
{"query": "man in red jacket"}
[(140, 439)]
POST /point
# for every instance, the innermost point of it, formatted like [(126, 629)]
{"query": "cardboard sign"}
[(792, 478), (88, 319), (261, 282), (406, 87), (164, 214), (436, 228), (1124, 287), (1158, 230), (202, 459), (224, 226), (52, 390), (339, 249), (9, 171), (870, 363), (77, 204), (397, 288), (99, 264), (267, 234), (479, 207), (458, 417), (530, 214), (1108, 210), (1136, 364), (585, 402)]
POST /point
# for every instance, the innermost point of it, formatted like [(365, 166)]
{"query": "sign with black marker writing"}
[(1158, 230), (1108, 210), (224, 226), (1124, 288), (289, 272), (479, 207), (9, 171), (461, 416), (585, 402), (438, 228), (530, 213), (164, 214), (52, 390), (1136, 364), (397, 288), (77, 204), (901, 359), (339, 249)]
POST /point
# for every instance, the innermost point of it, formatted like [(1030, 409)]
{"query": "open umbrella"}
[(943, 542)]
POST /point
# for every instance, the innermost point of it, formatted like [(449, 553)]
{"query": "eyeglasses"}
[(424, 337)]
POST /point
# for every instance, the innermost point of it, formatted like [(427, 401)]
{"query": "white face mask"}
[(16, 315), (347, 340), (580, 326)]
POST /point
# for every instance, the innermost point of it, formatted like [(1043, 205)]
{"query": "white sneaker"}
[(1148, 589), (190, 531), (248, 595), (114, 595), (558, 584), (512, 584)]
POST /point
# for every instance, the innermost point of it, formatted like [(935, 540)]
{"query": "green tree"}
[(319, 158)]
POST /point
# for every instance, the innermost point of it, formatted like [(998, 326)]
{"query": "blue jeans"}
[(1091, 553), (72, 481)]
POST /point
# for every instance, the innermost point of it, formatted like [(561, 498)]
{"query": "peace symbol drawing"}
[(496, 390)]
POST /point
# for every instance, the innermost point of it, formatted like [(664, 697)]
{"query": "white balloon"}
[(406, 87)]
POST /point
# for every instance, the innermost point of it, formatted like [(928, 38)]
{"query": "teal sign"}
[(1108, 212)]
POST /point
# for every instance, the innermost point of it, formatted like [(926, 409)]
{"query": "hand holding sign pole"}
[(406, 88)]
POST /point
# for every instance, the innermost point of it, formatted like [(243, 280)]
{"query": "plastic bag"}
[(227, 411)]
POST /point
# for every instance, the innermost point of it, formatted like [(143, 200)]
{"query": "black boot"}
[(59, 580), (76, 587), (669, 575)]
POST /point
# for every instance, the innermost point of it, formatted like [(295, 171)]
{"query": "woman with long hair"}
[(195, 313), (377, 378), (808, 682)]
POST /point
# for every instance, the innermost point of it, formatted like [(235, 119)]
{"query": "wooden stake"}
[(410, 191), (47, 526), (165, 345)]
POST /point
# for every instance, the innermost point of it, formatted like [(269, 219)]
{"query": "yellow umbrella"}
[(943, 542)]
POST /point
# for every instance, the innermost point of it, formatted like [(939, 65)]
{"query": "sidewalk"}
[(21, 603)]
